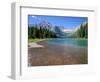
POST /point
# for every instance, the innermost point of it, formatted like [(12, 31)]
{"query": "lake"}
[(69, 42), (59, 51)]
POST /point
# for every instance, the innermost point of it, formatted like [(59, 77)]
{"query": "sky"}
[(67, 22)]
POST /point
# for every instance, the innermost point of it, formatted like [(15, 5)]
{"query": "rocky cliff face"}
[(45, 25), (59, 31)]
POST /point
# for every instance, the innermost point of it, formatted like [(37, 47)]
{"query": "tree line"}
[(34, 32)]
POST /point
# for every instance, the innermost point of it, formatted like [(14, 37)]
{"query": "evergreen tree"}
[(34, 32), (83, 31)]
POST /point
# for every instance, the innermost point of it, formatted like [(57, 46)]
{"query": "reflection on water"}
[(69, 41)]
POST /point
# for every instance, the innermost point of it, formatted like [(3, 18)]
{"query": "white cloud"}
[(34, 16)]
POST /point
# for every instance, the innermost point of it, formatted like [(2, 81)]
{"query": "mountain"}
[(45, 25), (59, 31), (79, 31)]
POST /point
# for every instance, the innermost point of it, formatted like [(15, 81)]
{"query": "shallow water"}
[(69, 41), (55, 54)]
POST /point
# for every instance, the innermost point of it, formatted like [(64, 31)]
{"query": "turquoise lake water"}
[(69, 41)]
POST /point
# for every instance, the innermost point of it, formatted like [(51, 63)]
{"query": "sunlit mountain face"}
[(45, 25)]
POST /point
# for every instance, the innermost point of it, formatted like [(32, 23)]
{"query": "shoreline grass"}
[(39, 40), (36, 40)]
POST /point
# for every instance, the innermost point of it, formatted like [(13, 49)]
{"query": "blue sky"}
[(67, 22)]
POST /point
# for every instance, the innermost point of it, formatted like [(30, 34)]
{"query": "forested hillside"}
[(82, 32)]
